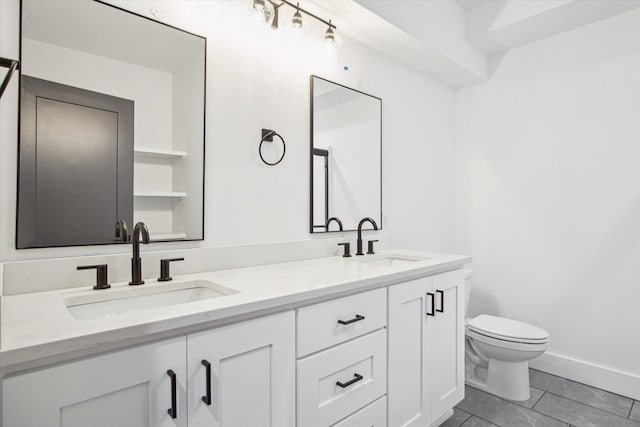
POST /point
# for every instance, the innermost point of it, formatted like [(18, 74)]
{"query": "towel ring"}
[(267, 135)]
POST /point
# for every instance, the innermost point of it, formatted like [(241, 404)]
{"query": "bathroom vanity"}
[(374, 340)]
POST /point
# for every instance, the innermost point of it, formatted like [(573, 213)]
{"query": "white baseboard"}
[(609, 379)]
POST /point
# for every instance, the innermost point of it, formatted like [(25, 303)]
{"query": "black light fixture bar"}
[(288, 3)]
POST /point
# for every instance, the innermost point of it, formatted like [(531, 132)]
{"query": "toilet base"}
[(509, 380)]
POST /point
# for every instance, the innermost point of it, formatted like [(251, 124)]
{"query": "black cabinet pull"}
[(355, 319), (207, 399), (173, 411), (356, 378), (441, 293), (433, 301)]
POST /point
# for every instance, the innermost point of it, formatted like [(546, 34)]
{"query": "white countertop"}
[(38, 326)]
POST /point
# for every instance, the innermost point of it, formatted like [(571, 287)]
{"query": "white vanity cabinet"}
[(126, 388), (426, 349), (391, 356), (251, 371), (250, 374)]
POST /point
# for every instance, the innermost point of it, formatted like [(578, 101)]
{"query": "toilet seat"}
[(508, 330), (507, 344)]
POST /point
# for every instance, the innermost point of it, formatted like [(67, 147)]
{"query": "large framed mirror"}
[(112, 126), (346, 157)]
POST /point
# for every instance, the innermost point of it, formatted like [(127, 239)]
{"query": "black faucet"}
[(122, 234), (136, 261), (362, 221), (336, 219)]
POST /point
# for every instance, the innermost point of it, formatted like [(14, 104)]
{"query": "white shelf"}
[(170, 194), (168, 236), (160, 152)]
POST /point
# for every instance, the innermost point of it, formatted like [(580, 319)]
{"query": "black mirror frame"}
[(204, 125)]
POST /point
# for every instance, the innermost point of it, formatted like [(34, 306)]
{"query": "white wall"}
[(259, 78), (150, 89), (549, 196), (350, 131)]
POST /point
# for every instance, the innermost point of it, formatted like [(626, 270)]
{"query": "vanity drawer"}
[(319, 325), (374, 415), (359, 365)]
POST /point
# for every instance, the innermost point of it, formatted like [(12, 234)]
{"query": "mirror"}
[(346, 164), (112, 126)]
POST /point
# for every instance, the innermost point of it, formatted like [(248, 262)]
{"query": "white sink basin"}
[(114, 302), (389, 260)]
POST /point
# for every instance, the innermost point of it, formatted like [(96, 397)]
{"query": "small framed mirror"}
[(112, 108), (346, 157)]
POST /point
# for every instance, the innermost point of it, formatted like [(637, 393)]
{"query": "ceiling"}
[(451, 40), (494, 26)]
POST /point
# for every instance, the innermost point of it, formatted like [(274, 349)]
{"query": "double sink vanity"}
[(371, 340), (240, 338)]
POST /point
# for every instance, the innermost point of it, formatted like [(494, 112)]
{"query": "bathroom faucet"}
[(136, 261), (122, 234), (362, 221), (337, 221)]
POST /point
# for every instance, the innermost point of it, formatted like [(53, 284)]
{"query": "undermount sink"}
[(389, 260), (115, 302)]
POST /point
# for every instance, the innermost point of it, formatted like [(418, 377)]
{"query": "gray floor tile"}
[(459, 416), (635, 411), (477, 422), (534, 394), (591, 396), (503, 413), (578, 414)]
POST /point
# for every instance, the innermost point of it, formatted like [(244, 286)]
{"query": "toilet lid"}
[(506, 329)]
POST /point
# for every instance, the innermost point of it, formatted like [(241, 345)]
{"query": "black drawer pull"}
[(433, 301), (356, 378), (355, 319), (173, 411), (207, 399), (441, 293)]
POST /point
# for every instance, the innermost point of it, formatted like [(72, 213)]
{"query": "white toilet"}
[(498, 351)]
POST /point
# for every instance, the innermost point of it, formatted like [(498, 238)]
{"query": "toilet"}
[(498, 350)]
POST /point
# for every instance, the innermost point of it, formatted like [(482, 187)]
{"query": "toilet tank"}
[(468, 273)]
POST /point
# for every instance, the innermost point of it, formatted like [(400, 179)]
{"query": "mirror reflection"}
[(111, 128), (346, 143)]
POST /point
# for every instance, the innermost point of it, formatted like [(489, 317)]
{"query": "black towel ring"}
[(267, 135)]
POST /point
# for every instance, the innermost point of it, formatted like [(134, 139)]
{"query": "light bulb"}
[(258, 5), (296, 21), (329, 36)]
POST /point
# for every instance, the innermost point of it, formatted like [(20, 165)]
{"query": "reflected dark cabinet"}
[(76, 165)]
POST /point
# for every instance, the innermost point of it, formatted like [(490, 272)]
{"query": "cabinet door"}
[(409, 381), (448, 344), (252, 374), (126, 388)]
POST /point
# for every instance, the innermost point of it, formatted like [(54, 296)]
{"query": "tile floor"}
[(554, 402)]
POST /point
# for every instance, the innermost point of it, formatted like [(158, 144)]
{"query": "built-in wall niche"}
[(98, 50), (346, 157)]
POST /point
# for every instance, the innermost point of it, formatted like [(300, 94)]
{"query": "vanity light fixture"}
[(296, 21)]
